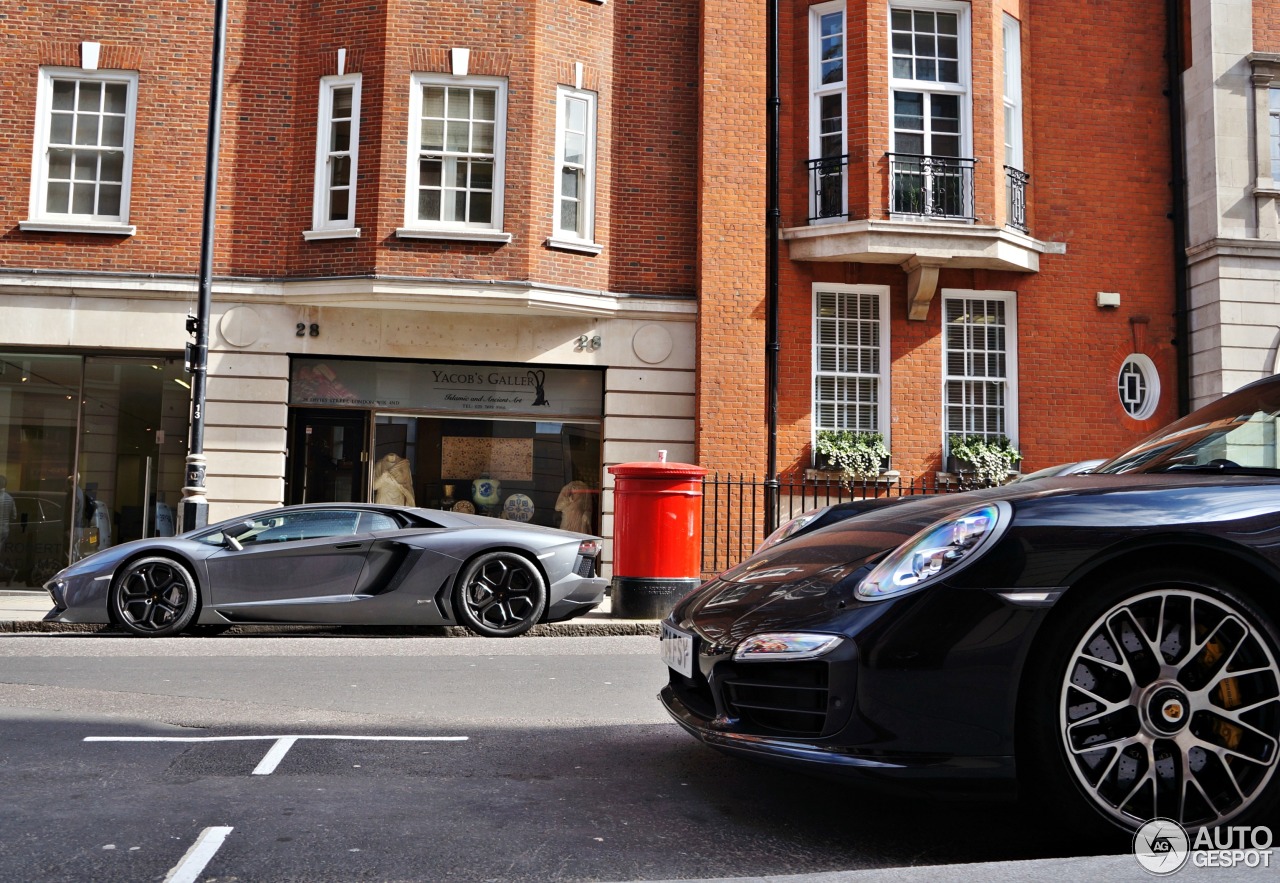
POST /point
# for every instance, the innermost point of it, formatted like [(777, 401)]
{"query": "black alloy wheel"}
[(154, 597), (1161, 699), (500, 595)]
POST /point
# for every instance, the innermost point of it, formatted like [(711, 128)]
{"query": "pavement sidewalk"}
[(23, 610)]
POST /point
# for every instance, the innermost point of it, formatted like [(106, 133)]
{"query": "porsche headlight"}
[(939, 549), (791, 527), (785, 645)]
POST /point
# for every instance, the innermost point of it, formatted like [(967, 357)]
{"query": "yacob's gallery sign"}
[(467, 388)]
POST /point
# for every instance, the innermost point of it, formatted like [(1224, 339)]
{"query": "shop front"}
[(92, 449), (508, 441)]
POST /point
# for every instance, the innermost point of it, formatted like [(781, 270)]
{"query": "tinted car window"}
[(370, 521), (308, 525), (1237, 432), (280, 527)]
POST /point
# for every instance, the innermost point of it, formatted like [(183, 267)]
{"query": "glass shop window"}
[(544, 473)]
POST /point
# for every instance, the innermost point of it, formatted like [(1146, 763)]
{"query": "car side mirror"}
[(235, 532)]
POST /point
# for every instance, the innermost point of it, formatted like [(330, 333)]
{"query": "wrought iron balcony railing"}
[(827, 192), (931, 186), (1016, 182)]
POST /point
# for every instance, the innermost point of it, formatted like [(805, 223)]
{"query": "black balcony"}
[(1016, 182), (827, 177), (930, 186)]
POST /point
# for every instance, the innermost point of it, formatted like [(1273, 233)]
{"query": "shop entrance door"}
[(328, 457)]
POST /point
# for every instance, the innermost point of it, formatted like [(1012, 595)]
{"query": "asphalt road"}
[(335, 758)]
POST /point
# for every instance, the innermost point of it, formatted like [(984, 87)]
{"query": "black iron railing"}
[(1016, 182), (827, 177), (932, 186), (733, 520)]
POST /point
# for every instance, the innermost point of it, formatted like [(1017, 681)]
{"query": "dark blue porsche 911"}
[(1106, 641)]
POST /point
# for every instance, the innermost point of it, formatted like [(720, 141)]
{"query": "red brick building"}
[(527, 241), (459, 233), (976, 209)]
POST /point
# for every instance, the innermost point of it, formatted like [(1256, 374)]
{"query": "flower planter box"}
[(964, 468), (835, 476)]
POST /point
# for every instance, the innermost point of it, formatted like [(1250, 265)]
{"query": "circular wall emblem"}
[(1161, 846), (1138, 386), (240, 326), (652, 343)]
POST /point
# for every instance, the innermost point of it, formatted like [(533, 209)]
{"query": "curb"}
[(570, 629), (588, 625)]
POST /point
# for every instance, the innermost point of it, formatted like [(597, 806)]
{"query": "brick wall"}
[(731, 238), (1096, 136), (640, 57)]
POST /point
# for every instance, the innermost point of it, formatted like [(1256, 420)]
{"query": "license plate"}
[(676, 648)]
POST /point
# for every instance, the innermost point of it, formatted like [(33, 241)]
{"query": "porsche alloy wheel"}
[(1169, 706), (154, 597), (500, 595)]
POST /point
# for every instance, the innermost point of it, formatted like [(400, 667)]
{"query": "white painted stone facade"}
[(646, 348), (1233, 222)]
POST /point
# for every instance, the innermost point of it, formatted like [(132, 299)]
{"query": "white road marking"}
[(268, 764), (188, 868)]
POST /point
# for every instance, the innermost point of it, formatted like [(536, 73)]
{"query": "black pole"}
[(195, 505), (773, 216), (1178, 185)]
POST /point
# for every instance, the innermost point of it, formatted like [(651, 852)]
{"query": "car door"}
[(302, 557)]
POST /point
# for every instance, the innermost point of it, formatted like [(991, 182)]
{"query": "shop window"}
[(520, 470), (83, 153), (126, 418)]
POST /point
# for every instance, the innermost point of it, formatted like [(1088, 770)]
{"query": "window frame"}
[(882, 375), (321, 226), (463, 230), (560, 238), (1010, 379), (1145, 368), (963, 87), (39, 217), (1011, 37), (817, 92)]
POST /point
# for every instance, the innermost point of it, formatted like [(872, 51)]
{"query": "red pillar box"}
[(657, 536)]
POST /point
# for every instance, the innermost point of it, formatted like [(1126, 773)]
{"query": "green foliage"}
[(857, 455), (992, 457)]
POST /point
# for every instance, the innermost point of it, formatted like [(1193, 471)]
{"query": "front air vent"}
[(788, 698)]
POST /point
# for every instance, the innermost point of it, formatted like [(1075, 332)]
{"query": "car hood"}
[(107, 560), (808, 581)]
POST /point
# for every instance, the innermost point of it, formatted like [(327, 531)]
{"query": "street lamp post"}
[(195, 505)]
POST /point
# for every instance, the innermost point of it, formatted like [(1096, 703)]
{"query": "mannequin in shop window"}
[(574, 505), (393, 481)]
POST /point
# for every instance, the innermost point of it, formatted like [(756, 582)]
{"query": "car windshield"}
[(1238, 433)]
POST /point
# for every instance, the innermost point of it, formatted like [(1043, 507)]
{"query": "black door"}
[(328, 457)]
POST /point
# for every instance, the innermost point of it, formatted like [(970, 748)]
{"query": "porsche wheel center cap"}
[(1168, 710)]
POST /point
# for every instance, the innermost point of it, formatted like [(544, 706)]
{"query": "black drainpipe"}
[(1181, 295), (773, 222)]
